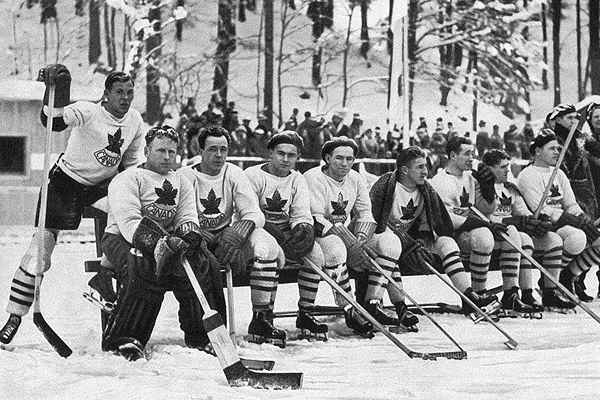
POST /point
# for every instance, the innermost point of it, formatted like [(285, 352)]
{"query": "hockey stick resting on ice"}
[(38, 319), (543, 270), (380, 327), (235, 372)]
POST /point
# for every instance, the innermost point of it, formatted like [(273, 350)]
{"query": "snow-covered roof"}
[(14, 89)]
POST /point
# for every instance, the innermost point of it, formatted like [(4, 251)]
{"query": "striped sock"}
[(526, 269), (263, 281), (308, 285), (453, 267), (509, 264), (479, 263), (586, 260), (21, 292), (552, 261)]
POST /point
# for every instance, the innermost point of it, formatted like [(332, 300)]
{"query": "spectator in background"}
[(393, 145), (438, 139), (313, 136), (246, 126), (189, 110), (355, 127), (482, 141), (237, 147), (292, 123), (510, 141), (496, 139), (423, 138), (228, 115), (422, 123), (527, 137), (451, 131), (257, 143), (439, 123), (368, 148), (337, 127)]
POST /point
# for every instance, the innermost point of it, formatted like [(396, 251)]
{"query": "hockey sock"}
[(509, 264), (390, 265), (479, 263), (526, 269), (584, 261), (308, 285), (339, 273), (453, 267), (21, 292), (263, 281)]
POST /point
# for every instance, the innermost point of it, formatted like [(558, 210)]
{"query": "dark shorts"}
[(66, 200)]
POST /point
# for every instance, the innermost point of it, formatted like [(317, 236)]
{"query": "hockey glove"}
[(416, 256), (302, 239), (276, 231), (59, 75), (232, 240), (485, 176), (358, 254), (167, 253), (529, 224), (593, 147), (473, 222)]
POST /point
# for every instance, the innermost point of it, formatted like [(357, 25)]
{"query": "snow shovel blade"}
[(258, 365)]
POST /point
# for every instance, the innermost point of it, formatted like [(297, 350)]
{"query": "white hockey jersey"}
[(408, 205), (99, 142), (139, 192)]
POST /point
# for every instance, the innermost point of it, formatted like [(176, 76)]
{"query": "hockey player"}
[(105, 136), (533, 234), (341, 209), (155, 191), (284, 200), (405, 202), (221, 187), (570, 222), (460, 189)]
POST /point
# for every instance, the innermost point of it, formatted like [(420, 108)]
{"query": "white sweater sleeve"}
[(300, 207), (318, 199), (124, 203), (79, 113), (133, 154), (245, 199), (186, 209)]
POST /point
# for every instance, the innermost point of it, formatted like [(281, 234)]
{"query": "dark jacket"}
[(435, 219)]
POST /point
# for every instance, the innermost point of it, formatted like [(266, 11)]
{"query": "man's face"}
[(549, 153), (464, 158), (500, 170), (283, 158), (339, 161), (421, 132), (567, 120), (214, 154), (119, 98), (160, 155), (416, 170), (596, 118)]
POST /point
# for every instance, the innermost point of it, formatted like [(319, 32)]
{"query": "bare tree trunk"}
[(113, 44), (226, 39), (125, 41), (556, 15), (345, 59), (446, 57), (413, 15), (580, 93), (594, 52), (258, 56), (390, 40), (153, 44), (284, 6), (365, 43), (268, 87), (545, 49), (474, 116), (109, 54)]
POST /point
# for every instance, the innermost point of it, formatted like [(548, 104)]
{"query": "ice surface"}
[(558, 357)]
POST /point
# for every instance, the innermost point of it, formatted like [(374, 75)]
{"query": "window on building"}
[(12, 155)]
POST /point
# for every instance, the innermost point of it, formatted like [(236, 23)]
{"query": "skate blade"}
[(533, 315), (305, 334), (131, 352), (261, 340), (403, 329), (491, 310), (560, 310), (508, 314), (94, 298)]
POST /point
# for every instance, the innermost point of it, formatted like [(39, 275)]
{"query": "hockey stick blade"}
[(258, 365), (235, 372), (55, 341)]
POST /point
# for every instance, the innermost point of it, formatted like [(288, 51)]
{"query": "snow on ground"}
[(558, 357)]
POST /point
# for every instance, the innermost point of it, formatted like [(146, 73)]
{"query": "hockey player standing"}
[(460, 188), (105, 136), (285, 201), (341, 208), (405, 202), (155, 191), (221, 188), (570, 222)]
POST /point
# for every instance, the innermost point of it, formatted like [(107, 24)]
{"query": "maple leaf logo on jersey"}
[(275, 203), (166, 194), (339, 206), (211, 203), (505, 200), (408, 212), (464, 199), (111, 154), (554, 192), (115, 142)]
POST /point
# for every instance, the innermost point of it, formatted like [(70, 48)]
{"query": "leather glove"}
[(302, 239), (58, 75), (529, 224), (232, 239), (486, 178), (168, 251), (416, 255)]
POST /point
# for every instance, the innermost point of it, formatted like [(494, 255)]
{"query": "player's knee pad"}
[(481, 240), (514, 236), (29, 262), (574, 240), (334, 250), (316, 255), (387, 244), (550, 240), (264, 246), (445, 245)]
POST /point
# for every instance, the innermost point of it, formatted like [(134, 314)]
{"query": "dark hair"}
[(215, 131), (116, 77), (494, 156), (454, 144), (158, 132), (409, 154), (307, 114)]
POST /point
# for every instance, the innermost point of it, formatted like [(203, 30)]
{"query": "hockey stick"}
[(391, 281), (235, 372), (230, 305), (543, 270), (459, 355), (38, 319), (561, 157)]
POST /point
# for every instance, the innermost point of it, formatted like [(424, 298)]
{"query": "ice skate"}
[(261, 330), (356, 322), (554, 300), (9, 330), (488, 304), (407, 321), (310, 327), (374, 308), (514, 307)]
